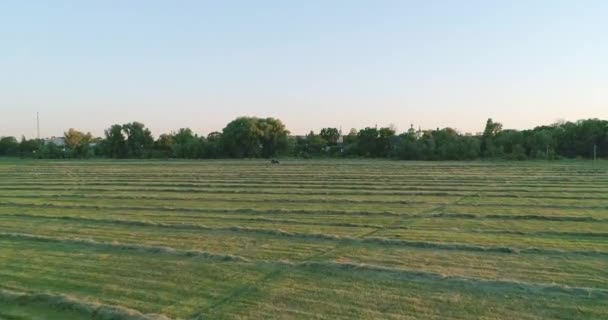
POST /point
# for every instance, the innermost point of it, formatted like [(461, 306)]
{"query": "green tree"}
[(9, 146), (273, 136), (50, 150), (330, 135), (241, 138), (30, 148), (407, 147), (138, 139), (488, 148), (77, 142), (367, 142), (311, 144), (507, 140), (213, 146), (163, 146), (540, 144), (187, 144), (114, 145), (250, 137), (385, 143)]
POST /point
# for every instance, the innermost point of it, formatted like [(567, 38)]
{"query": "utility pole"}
[(38, 125), (594, 152)]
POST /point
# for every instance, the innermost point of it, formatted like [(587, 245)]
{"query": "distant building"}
[(58, 141)]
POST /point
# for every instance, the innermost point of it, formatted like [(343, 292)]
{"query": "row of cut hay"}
[(124, 246), (339, 166), (542, 233), (238, 191), (192, 225), (316, 172), (232, 191), (454, 193), (537, 288), (215, 199), (438, 200), (355, 180), (202, 210), (313, 186), (312, 236), (308, 212), (514, 217), (93, 310), (147, 223)]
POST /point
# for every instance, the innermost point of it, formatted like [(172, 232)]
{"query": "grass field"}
[(305, 239)]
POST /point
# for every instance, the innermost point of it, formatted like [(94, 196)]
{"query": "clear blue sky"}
[(199, 64)]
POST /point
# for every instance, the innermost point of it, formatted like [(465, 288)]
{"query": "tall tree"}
[(77, 142), (164, 145), (30, 147), (139, 139), (9, 146), (241, 138), (187, 144), (330, 135), (213, 147), (367, 142), (273, 136), (249, 137), (115, 145), (385, 142), (311, 144), (488, 147)]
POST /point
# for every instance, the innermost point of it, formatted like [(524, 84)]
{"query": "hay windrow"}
[(124, 246), (432, 276), (94, 310)]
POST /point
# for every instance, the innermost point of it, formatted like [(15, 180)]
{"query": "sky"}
[(313, 64)]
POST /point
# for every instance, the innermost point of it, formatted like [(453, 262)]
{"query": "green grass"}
[(333, 239), (32, 311)]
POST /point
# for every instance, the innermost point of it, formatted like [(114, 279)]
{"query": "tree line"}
[(251, 137)]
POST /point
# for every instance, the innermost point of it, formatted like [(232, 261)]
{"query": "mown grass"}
[(33, 311), (306, 239)]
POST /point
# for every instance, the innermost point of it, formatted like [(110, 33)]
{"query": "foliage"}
[(9, 146), (251, 137), (330, 135), (138, 139), (77, 143), (311, 144), (114, 145)]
